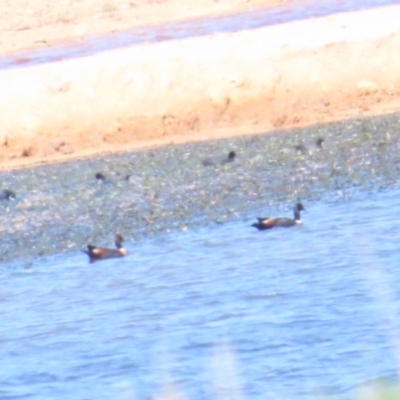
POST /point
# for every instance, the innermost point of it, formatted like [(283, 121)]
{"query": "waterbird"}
[(268, 223), (214, 161), (231, 157), (300, 148), (319, 143), (7, 194), (100, 176), (101, 253)]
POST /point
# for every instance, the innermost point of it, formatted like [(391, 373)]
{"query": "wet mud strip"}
[(61, 207)]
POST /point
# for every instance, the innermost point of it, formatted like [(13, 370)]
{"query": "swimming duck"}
[(100, 253), (268, 223)]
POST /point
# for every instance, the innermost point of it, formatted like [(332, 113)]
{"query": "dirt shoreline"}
[(278, 77)]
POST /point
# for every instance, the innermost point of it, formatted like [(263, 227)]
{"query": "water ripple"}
[(306, 308)]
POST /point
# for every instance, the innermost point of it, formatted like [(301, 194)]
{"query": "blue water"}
[(184, 29), (222, 312)]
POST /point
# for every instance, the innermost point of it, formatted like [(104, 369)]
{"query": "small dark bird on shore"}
[(7, 194), (231, 157), (214, 161), (101, 253), (268, 223), (319, 143), (100, 177), (300, 148)]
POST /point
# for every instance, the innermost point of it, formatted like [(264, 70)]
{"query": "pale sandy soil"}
[(38, 23), (294, 74)]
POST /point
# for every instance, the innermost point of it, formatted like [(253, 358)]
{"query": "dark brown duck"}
[(268, 223), (101, 253)]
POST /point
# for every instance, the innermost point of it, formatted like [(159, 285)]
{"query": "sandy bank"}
[(228, 84), (29, 24)]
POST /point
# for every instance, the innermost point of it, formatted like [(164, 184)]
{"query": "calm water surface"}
[(224, 312)]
